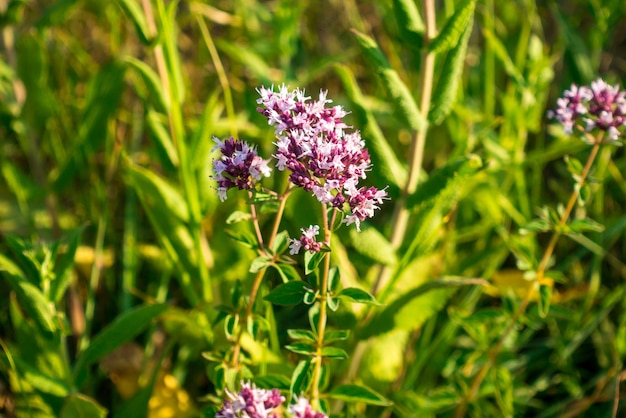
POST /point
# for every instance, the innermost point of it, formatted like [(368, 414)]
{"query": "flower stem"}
[(256, 283), (539, 279), (321, 324)]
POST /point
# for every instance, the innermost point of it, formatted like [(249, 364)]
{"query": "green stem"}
[(256, 283), (539, 279), (321, 325)]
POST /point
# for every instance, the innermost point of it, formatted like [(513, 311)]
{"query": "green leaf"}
[(81, 406), (311, 261), (357, 295), (31, 299), (259, 264), (453, 30), (298, 378), (249, 58), (383, 157), (124, 328), (162, 140), (230, 322), (536, 225), (131, 7), (271, 381), (302, 348), (64, 264), (410, 22), (358, 394), (103, 96), (310, 297), (331, 336), (245, 237), (334, 279), (333, 303), (501, 53), (238, 216), (281, 243), (302, 335), (545, 294), (397, 315), (152, 82), (41, 381), (158, 191), (334, 352), (446, 91), (290, 293), (287, 272), (397, 91), (585, 225), (372, 244), (445, 180)]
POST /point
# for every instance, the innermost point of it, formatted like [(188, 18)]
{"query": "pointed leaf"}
[(80, 406), (290, 293), (302, 348), (397, 315), (152, 82), (302, 335), (384, 159), (358, 394), (357, 295), (397, 91), (41, 381), (410, 22), (334, 352), (454, 28), (124, 328), (31, 299), (445, 180), (259, 263), (298, 378), (372, 244), (159, 191), (311, 261), (446, 91), (131, 7), (545, 295)]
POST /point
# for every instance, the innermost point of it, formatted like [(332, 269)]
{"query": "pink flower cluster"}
[(302, 409), (600, 106), (321, 156), (306, 241), (252, 402), (239, 166)]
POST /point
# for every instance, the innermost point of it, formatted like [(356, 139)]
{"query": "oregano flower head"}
[(600, 106), (313, 145), (239, 166), (251, 402), (302, 409)]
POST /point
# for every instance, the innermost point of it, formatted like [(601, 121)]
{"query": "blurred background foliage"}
[(107, 109)]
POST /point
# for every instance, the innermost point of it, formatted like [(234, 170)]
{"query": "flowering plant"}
[(325, 160)]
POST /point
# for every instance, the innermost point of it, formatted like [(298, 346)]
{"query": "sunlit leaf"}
[(396, 89), (358, 394), (290, 293)]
